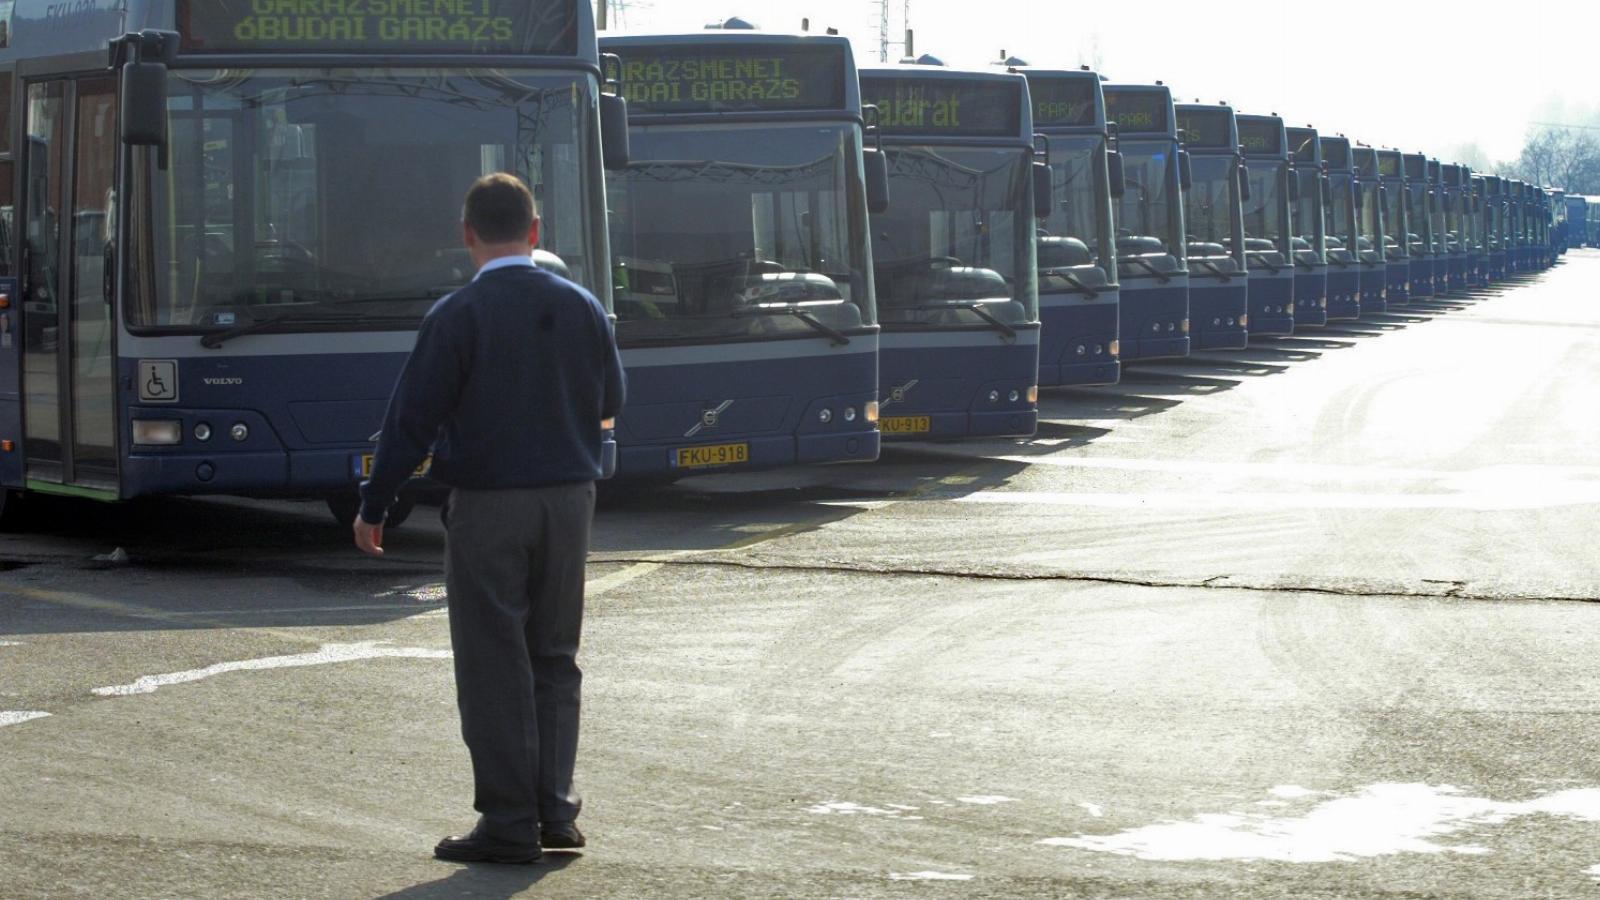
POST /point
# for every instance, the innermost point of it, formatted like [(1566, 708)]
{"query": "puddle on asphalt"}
[(327, 655), (1380, 820)]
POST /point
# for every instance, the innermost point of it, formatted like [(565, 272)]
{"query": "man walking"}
[(508, 386)]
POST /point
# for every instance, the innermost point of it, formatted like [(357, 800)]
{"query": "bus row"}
[(223, 222)]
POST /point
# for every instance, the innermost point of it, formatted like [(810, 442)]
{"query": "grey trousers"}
[(514, 569)]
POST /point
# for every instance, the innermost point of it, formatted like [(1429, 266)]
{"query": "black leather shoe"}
[(472, 848), (560, 836)]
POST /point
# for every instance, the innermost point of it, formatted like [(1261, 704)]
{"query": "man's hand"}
[(369, 538)]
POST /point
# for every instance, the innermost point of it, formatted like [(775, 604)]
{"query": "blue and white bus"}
[(1213, 214), (230, 224), (1397, 226), (1456, 200), (743, 267), (1342, 213), (953, 255), (1494, 227), (1154, 314), (1079, 292), (1267, 223), (1420, 201), (1308, 227), (1371, 227)]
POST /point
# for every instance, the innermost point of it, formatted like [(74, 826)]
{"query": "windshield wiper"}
[(1225, 276), (1067, 276), (977, 309), (1160, 275), (838, 337), (1302, 264), (1269, 266), (217, 338)]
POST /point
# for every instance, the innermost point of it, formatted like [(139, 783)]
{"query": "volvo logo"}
[(898, 394), (709, 418)]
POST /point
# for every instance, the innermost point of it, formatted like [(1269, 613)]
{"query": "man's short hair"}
[(499, 209)]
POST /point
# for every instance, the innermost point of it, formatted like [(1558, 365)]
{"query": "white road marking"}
[(1544, 496), (927, 876), (1299, 472), (328, 654), (10, 643), (846, 808), (17, 718), (986, 800), (1293, 792), (1380, 820), (1593, 872), (1094, 809)]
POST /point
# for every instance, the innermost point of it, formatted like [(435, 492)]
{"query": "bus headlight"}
[(849, 413), (994, 396), (239, 432), (870, 411), (157, 432), (202, 432), (1014, 396), (826, 415)]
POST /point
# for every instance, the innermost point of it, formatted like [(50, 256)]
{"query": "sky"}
[(1361, 73)]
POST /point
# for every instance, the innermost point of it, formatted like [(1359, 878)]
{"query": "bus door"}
[(67, 328)]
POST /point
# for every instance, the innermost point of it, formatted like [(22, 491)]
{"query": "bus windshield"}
[(958, 234), (739, 233), (332, 197), (1394, 236), (1337, 220), (1371, 239), (1264, 227), (1075, 235), (1308, 220), (1209, 212), (1148, 215)]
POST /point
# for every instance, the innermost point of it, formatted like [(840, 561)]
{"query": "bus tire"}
[(12, 511)]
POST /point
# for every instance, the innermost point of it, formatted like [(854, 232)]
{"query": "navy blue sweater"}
[(507, 386)]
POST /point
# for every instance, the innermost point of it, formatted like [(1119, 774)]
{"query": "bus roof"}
[(720, 72), (937, 101)]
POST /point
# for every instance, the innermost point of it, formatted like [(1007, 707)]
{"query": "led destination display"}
[(1062, 101), (401, 26), (720, 79), (1138, 111), (1207, 129), (942, 106), (1264, 137)]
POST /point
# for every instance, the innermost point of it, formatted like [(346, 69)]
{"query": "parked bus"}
[(1213, 213), (1419, 203), (1079, 291), (1397, 226), (954, 255), (1308, 226), (1372, 230), (1267, 223), (232, 233), (1154, 313), (745, 304), (1577, 220), (1342, 229), (1560, 231), (1455, 198), (1593, 236), (1494, 228)]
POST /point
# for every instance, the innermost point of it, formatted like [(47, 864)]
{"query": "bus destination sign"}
[(1207, 129), (945, 106), (1263, 136), (1389, 165), (1137, 111), (506, 27), (1336, 153), (1305, 147), (682, 79), (1062, 102)]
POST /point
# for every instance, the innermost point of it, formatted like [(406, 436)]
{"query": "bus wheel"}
[(11, 510)]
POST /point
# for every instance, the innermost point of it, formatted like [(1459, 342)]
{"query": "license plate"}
[(364, 467), (711, 455), (905, 424)]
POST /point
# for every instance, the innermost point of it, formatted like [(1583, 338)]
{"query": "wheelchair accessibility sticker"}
[(158, 380)]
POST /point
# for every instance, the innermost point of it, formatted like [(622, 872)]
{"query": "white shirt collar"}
[(505, 262)]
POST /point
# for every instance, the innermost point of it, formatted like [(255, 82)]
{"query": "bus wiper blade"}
[(1160, 275), (1067, 276), (837, 337), (217, 338), (1009, 333), (1225, 276), (1266, 265)]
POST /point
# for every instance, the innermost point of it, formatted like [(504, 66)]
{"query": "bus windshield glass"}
[(739, 233), (1338, 220), (332, 197), (959, 234), (1209, 210), (1264, 212), (1075, 235), (1394, 237), (1148, 214), (1307, 212), (1371, 239)]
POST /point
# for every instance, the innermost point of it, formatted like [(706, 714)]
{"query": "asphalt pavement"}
[(1313, 619)]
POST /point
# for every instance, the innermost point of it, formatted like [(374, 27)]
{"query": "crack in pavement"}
[(1457, 591)]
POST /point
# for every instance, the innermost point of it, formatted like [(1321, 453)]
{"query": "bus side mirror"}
[(876, 166), (1185, 170), (1119, 176), (144, 104), (615, 150), (1244, 182), (1327, 190), (1044, 190)]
